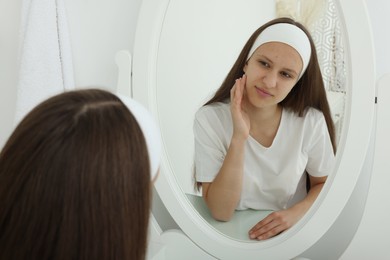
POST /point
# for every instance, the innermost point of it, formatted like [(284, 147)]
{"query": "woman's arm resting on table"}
[(279, 221)]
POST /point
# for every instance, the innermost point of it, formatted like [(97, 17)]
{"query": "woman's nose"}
[(270, 79)]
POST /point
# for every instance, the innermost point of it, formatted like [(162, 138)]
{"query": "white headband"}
[(288, 34), (149, 129)]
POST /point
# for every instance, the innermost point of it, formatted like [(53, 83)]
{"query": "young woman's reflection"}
[(266, 139)]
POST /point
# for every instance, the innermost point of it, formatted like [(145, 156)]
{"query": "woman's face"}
[(271, 72)]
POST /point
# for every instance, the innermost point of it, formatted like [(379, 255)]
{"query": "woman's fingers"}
[(240, 83), (269, 233), (237, 91), (241, 122), (262, 227), (270, 226)]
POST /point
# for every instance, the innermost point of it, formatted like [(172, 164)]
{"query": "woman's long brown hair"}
[(75, 182)]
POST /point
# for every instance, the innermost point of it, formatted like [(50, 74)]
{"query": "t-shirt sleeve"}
[(321, 158), (209, 149)]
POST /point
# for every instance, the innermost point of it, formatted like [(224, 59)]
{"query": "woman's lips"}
[(263, 93)]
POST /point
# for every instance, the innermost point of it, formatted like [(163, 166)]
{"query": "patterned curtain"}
[(323, 21), (327, 35)]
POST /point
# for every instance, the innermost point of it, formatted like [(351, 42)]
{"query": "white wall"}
[(98, 29), (379, 12), (9, 24)]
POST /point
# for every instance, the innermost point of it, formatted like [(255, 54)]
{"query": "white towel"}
[(45, 55)]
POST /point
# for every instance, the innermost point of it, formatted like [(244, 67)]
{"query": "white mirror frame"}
[(351, 154)]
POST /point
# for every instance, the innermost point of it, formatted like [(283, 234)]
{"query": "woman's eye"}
[(285, 74), (265, 64)]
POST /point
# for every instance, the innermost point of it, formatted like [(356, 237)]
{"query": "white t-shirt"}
[(273, 176)]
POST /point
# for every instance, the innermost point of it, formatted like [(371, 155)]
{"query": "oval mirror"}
[(183, 50)]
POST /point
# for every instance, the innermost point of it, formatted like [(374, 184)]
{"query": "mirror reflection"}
[(194, 58)]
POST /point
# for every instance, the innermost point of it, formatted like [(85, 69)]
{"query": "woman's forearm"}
[(223, 194), (312, 195)]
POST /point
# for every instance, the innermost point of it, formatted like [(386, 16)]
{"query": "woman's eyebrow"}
[(265, 57), (262, 56), (290, 70)]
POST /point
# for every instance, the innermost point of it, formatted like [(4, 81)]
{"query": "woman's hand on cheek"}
[(241, 124), (275, 223)]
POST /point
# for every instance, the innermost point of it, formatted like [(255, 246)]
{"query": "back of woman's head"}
[(75, 182)]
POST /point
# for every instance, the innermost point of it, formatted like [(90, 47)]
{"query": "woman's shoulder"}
[(308, 113), (309, 118), (315, 116), (314, 119), (313, 113), (215, 117), (214, 109)]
